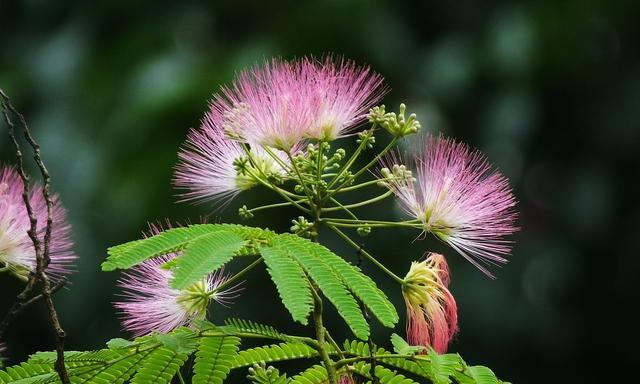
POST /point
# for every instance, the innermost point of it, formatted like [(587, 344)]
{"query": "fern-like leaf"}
[(214, 359), (171, 240), (28, 373), (160, 367), (331, 285), (247, 326), (273, 353), (360, 284), (290, 280), (203, 256), (313, 375), (384, 375)]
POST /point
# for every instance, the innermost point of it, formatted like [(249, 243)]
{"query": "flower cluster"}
[(17, 253), (255, 125)]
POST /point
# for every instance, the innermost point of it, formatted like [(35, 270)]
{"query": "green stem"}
[(334, 345), (339, 204), (362, 185), (350, 162), (279, 191), (320, 336), (360, 204), (181, 378), (277, 158), (366, 254), (302, 183), (277, 205), (361, 223), (238, 275), (369, 165)]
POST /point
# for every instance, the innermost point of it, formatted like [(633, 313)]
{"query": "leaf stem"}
[(360, 204), (235, 277), (369, 165), (365, 253)]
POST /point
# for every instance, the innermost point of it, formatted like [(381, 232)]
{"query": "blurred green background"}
[(549, 90)]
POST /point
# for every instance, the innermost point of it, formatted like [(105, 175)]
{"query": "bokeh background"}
[(549, 90)]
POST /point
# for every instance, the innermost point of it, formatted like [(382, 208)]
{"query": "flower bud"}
[(432, 314)]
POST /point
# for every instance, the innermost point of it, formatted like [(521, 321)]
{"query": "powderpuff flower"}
[(150, 304), (267, 105), (342, 94), (282, 103), (432, 313), (459, 198), (17, 253), (213, 167)]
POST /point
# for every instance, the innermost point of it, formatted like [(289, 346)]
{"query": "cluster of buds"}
[(397, 125), (303, 227), (398, 174)]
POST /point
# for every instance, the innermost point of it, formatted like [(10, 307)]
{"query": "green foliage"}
[(273, 353), (360, 284), (159, 366), (293, 263), (158, 358), (179, 239), (290, 280), (313, 375), (215, 358), (205, 254), (27, 373), (401, 347), (247, 326), (385, 375), (259, 374), (317, 262), (438, 369)]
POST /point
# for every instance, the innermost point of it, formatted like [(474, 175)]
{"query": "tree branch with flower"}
[(276, 127)]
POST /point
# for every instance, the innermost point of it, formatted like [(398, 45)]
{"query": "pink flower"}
[(281, 103), (267, 105), (342, 95), (17, 252), (209, 170), (432, 313), (459, 198), (150, 304)]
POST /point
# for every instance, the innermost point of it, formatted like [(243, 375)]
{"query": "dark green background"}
[(550, 90)]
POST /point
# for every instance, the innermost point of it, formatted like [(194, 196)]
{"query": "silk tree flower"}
[(17, 253), (149, 303), (459, 198), (214, 167), (432, 313), (281, 103), (268, 105), (342, 95)]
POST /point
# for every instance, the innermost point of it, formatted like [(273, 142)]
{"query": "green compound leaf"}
[(402, 347), (313, 375), (160, 366), (477, 375), (178, 239), (247, 326), (290, 280), (384, 375), (360, 284), (28, 373), (330, 283), (203, 256), (214, 359), (273, 353)]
